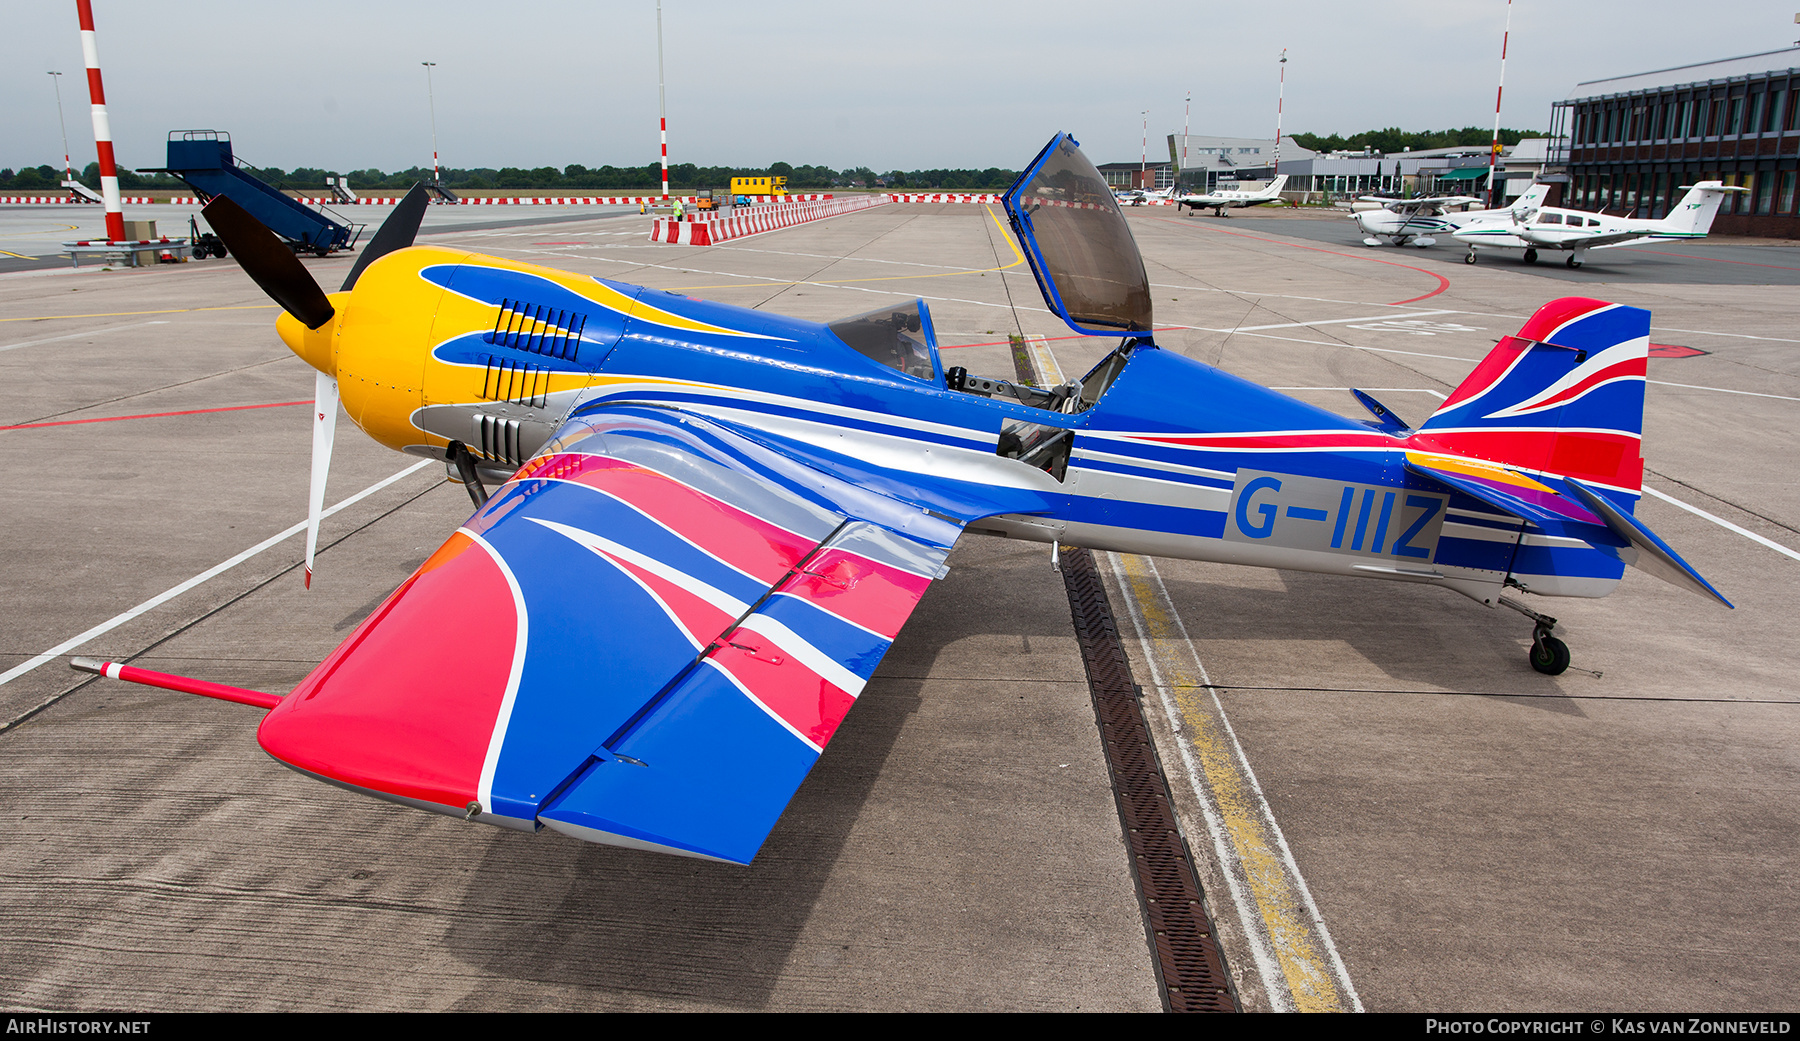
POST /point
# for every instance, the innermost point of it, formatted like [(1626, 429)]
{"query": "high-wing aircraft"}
[(1575, 232), (1419, 221), (1220, 201), (1401, 221), (709, 523)]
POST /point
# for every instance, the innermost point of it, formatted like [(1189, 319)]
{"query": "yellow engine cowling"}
[(380, 342)]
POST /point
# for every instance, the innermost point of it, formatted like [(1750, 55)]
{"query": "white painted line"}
[(210, 573), (1722, 390), (1335, 321), (77, 336), (1735, 336), (1256, 934), (1723, 523), (1277, 967)]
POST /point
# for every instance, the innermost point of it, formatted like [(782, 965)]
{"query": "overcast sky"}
[(909, 85)]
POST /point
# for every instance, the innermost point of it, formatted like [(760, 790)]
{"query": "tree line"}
[(570, 178), (1393, 139)]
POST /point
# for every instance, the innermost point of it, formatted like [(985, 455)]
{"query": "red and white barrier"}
[(519, 200), (755, 220), (944, 197)]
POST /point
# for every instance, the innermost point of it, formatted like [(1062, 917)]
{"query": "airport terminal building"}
[(1629, 143)]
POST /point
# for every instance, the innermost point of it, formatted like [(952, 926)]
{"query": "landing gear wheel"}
[(1549, 655), (1470, 259), (1572, 262), (1531, 256)]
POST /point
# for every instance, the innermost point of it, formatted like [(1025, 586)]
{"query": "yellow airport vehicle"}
[(768, 187)]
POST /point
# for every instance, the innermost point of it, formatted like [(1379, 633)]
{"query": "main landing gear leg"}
[(1549, 655)]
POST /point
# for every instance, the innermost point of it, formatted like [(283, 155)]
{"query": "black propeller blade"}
[(397, 232), (269, 262)]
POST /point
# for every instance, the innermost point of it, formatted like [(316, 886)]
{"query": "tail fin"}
[(1532, 200), (1274, 187), (1564, 397), (1560, 408), (1694, 214)]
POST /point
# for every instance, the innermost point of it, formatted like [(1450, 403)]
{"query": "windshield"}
[(898, 337), (1079, 246)]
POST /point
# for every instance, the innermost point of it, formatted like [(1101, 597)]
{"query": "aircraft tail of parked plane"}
[(1693, 215), (1532, 199)]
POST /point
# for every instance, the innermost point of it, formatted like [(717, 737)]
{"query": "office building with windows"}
[(1629, 143)]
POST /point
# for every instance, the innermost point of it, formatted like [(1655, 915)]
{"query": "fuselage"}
[(1154, 453)]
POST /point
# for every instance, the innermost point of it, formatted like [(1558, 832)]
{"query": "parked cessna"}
[(711, 522), (1418, 221), (1575, 232), (1219, 202)]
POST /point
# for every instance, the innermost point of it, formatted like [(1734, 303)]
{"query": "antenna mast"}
[(1494, 198)]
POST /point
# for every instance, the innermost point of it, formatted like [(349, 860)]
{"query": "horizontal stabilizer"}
[(1653, 554), (1523, 497), (1586, 515)]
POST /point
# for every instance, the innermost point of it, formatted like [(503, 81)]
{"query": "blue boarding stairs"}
[(203, 159)]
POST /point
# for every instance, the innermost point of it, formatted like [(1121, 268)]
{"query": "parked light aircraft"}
[(1575, 232), (1419, 221), (1220, 201), (1143, 196), (711, 522)]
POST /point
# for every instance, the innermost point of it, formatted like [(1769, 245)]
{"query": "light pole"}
[(1144, 159), (431, 100), (1186, 111), (56, 78)]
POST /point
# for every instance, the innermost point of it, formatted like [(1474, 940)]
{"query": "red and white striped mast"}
[(109, 170), (1280, 100), (1494, 199), (663, 108)]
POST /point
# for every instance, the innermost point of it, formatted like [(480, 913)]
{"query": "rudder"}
[(1565, 396)]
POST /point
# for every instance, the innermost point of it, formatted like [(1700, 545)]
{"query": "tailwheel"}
[(1531, 256), (1549, 655)]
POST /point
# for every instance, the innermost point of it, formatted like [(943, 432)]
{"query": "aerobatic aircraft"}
[(1220, 201), (1575, 232), (1420, 220), (707, 524)]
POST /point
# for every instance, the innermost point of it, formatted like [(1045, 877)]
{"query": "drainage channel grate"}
[(1189, 967)]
